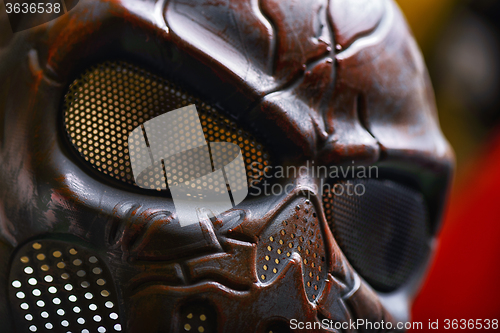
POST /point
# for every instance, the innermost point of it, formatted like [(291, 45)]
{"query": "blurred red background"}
[(464, 280), (460, 41)]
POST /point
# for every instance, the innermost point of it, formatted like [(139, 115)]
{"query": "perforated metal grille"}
[(295, 230), (109, 100), (198, 316), (382, 232), (58, 287)]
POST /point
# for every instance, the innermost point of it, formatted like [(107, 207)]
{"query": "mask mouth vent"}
[(59, 287), (383, 232)]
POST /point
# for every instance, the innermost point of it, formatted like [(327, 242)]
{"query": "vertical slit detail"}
[(147, 144), (164, 173)]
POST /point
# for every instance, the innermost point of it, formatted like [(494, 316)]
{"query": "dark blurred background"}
[(460, 41)]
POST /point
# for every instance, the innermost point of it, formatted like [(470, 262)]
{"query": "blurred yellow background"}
[(459, 40), (426, 18)]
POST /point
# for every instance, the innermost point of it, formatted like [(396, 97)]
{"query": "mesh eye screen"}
[(383, 232), (108, 101)]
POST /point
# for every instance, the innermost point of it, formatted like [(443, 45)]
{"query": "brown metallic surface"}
[(328, 81)]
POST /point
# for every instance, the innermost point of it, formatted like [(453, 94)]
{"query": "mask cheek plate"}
[(296, 230)]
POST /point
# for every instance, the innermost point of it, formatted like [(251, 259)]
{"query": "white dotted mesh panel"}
[(58, 287), (108, 101)]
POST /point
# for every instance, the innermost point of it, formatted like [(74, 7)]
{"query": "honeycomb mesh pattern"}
[(58, 287), (108, 101), (383, 232), (295, 230)]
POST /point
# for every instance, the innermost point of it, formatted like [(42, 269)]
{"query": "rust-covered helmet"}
[(322, 98)]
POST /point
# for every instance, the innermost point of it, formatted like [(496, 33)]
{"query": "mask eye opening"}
[(109, 100)]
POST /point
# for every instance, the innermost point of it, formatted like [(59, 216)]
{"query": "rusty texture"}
[(329, 81)]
